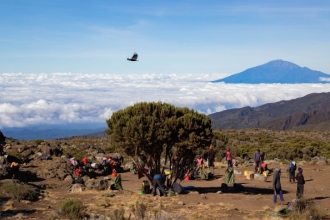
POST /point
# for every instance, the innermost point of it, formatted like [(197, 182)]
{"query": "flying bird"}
[(134, 57)]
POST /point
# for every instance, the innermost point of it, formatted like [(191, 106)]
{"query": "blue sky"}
[(170, 36)]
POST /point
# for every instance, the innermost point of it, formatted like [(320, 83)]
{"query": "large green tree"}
[(158, 130)]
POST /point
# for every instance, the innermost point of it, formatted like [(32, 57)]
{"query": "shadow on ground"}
[(12, 213), (237, 188)]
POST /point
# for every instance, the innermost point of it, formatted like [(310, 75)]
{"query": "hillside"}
[(45, 183), (311, 112), (276, 71)]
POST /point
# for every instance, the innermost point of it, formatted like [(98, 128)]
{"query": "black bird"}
[(134, 57)]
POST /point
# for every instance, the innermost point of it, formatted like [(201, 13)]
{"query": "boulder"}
[(21, 149), (77, 187), (68, 179), (27, 153), (97, 184)]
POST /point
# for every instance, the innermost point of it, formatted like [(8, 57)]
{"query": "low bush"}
[(118, 214), (139, 209), (306, 209), (71, 209), (19, 191)]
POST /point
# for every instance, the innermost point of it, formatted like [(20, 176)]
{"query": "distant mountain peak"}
[(281, 64), (276, 71)]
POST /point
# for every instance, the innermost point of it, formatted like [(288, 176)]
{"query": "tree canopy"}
[(155, 129)]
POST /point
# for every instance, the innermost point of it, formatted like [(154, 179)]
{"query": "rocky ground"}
[(51, 180)]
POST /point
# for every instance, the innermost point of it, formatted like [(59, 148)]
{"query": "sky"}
[(66, 61), (172, 36)]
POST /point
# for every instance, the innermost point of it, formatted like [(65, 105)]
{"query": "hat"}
[(85, 160)]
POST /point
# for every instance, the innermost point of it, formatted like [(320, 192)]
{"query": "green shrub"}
[(71, 209), (19, 191)]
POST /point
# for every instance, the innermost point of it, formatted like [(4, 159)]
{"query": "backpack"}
[(77, 172), (293, 166), (146, 187)]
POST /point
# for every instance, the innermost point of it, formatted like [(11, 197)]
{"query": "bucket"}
[(187, 177), (246, 172), (265, 173)]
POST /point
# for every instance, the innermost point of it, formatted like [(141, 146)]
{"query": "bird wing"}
[(135, 56)]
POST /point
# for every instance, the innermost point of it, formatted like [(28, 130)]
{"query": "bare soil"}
[(209, 201)]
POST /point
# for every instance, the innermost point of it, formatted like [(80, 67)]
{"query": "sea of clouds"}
[(61, 98)]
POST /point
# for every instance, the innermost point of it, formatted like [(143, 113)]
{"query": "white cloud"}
[(325, 79), (32, 99)]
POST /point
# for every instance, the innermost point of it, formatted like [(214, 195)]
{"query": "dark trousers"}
[(300, 191), (230, 163), (158, 183), (257, 165), (292, 175), (211, 162)]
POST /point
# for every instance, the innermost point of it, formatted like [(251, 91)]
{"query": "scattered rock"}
[(78, 187)]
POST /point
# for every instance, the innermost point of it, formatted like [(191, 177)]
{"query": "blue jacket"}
[(256, 156)]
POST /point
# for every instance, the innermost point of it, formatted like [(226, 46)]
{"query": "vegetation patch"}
[(71, 209), (306, 209), (19, 191)]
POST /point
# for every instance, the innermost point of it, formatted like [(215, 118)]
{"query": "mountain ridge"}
[(304, 113)]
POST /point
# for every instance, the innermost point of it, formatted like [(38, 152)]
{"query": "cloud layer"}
[(61, 98)]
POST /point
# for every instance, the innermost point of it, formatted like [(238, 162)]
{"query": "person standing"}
[(292, 170), (229, 157), (211, 157), (200, 166), (262, 156), (257, 159), (300, 183), (277, 185)]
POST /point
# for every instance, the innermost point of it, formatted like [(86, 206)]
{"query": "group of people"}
[(260, 166), (82, 167), (278, 188)]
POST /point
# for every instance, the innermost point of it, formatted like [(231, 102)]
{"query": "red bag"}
[(77, 172)]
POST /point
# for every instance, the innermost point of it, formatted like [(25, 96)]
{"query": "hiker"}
[(256, 158), (262, 156), (292, 169), (300, 183), (200, 166), (158, 181), (277, 185), (210, 157), (229, 157)]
